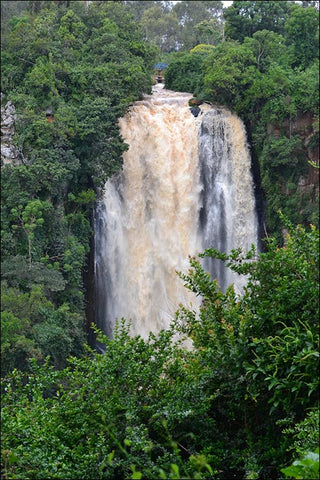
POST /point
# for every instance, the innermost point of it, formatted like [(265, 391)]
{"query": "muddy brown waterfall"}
[(185, 186)]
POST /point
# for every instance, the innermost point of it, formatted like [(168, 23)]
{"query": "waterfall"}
[(185, 186), (228, 214)]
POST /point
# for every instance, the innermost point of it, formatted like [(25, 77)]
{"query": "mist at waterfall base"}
[(186, 185)]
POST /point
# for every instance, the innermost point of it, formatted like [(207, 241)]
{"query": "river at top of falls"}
[(185, 186)]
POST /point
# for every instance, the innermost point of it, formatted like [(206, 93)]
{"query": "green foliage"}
[(227, 72), (30, 219), (17, 272), (161, 28), (184, 73), (283, 151), (32, 327), (260, 352), (200, 22), (156, 409), (305, 87), (302, 32), (180, 26), (266, 45), (10, 9), (243, 19), (306, 467), (108, 415), (305, 434), (16, 347)]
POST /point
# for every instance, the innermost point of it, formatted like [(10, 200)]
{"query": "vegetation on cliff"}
[(85, 68)]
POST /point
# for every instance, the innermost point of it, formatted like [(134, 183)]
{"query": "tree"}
[(192, 13), (302, 33), (29, 219), (139, 7), (10, 9), (161, 28), (107, 415), (208, 32), (243, 19), (184, 73), (16, 347), (191, 16), (228, 72), (266, 46)]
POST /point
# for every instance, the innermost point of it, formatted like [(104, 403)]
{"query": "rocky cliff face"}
[(9, 153), (304, 125)]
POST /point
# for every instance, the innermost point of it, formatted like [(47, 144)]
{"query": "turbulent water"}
[(185, 186), (228, 214)]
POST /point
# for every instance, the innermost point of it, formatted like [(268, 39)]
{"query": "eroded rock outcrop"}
[(9, 152)]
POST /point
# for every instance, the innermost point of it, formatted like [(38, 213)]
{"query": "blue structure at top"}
[(160, 66)]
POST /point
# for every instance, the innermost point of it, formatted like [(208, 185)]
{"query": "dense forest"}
[(243, 402)]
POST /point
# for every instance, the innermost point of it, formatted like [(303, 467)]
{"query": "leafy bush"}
[(305, 468), (258, 353), (154, 409), (184, 73)]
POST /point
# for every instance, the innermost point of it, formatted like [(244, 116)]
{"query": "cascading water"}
[(228, 215), (185, 186)]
